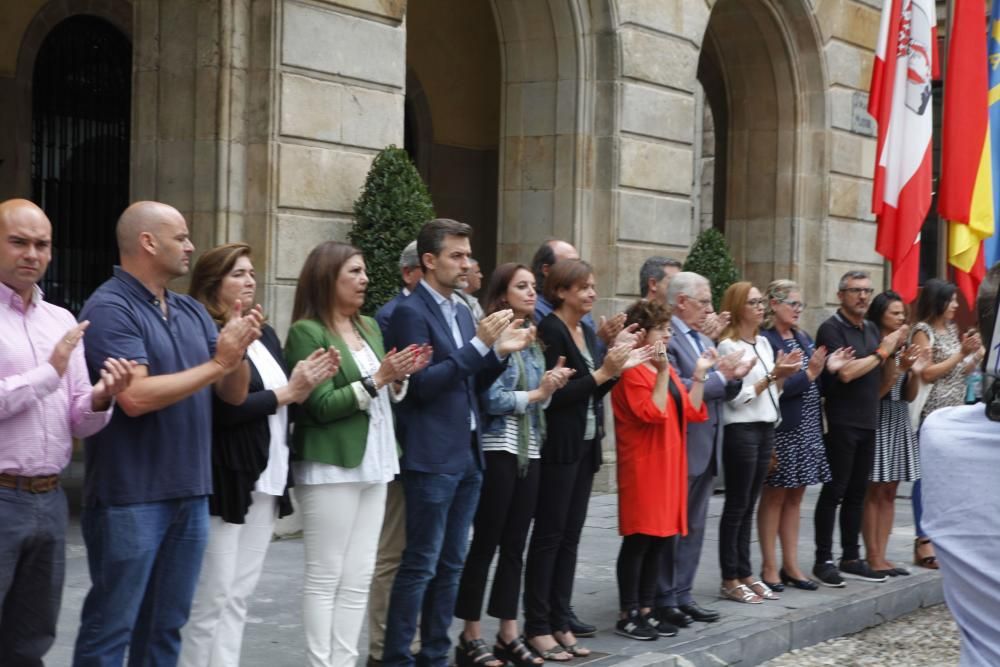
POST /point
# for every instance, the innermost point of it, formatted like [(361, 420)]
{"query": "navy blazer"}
[(704, 439), (794, 389), (432, 422)]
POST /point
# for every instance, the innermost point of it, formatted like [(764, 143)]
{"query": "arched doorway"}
[(81, 107), (764, 82)]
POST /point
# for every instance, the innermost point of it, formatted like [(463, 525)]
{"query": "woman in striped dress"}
[(897, 456), (513, 433)]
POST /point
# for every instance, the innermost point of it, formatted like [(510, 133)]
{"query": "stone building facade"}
[(624, 126)]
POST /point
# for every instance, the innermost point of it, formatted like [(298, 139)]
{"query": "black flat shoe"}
[(775, 586), (673, 616), (901, 571), (580, 628), (700, 614), (801, 584)]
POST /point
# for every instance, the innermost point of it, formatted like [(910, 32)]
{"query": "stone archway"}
[(764, 79)]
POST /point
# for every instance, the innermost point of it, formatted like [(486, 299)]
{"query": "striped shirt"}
[(40, 412), (507, 439)]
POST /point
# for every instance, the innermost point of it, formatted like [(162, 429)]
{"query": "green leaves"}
[(710, 257), (392, 208)]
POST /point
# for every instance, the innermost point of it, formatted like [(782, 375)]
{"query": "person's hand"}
[(909, 356), (311, 372), (971, 342), (786, 364), (839, 358), (609, 328), (924, 358), (715, 323), (59, 359), (659, 360), (614, 360), (705, 362), (514, 338), (116, 376), (491, 326), (638, 355), (629, 335), (894, 340), (237, 335), (555, 378), (817, 361), (728, 363), (397, 365)]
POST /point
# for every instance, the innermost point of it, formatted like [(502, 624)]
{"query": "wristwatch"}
[(369, 385)]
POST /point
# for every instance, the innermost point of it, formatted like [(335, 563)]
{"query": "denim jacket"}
[(503, 398)]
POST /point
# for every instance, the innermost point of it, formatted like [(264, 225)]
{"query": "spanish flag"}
[(966, 196)]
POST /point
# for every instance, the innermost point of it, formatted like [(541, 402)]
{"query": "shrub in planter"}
[(710, 257), (392, 208)]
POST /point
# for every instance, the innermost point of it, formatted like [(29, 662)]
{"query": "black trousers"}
[(563, 496), (506, 506), (850, 452), (746, 453), (639, 569)]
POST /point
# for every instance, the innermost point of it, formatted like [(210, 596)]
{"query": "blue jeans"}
[(439, 511), (144, 563), (32, 568), (916, 497)]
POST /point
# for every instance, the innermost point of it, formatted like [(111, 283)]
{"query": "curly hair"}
[(647, 314)]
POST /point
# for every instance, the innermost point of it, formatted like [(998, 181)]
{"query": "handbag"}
[(916, 406)]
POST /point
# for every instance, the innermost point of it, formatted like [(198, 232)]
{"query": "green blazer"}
[(329, 425)]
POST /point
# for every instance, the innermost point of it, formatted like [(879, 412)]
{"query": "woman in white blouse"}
[(344, 447), (749, 420)]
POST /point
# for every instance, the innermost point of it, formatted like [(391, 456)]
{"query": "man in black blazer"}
[(690, 295), (438, 427)]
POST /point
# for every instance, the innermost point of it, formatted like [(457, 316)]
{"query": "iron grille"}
[(81, 106)]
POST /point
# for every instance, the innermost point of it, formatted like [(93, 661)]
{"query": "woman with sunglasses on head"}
[(953, 356), (513, 433), (652, 409), (749, 420), (250, 463), (799, 456), (897, 456)]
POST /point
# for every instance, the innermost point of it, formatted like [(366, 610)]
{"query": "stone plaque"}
[(861, 122)]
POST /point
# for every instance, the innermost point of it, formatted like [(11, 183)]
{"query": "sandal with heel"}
[(930, 562), (475, 653), (516, 652)]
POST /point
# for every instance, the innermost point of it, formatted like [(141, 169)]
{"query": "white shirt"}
[(748, 406), (380, 462), (960, 460), (273, 479)]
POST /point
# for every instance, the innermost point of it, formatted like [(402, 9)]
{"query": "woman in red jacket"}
[(651, 408)]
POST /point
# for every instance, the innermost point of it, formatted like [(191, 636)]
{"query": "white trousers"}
[(234, 558), (341, 524)]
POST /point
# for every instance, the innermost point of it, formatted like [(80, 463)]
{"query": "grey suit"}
[(704, 446)]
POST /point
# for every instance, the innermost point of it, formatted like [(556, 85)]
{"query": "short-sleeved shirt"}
[(852, 403), (162, 454)]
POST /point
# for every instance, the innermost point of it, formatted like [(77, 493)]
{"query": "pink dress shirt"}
[(40, 412)]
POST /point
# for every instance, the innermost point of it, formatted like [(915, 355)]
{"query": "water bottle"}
[(974, 386)]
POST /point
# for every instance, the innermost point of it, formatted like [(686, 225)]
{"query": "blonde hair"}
[(778, 290)]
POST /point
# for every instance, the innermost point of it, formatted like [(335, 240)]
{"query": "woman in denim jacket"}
[(513, 432)]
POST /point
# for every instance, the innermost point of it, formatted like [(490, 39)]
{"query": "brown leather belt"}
[(42, 484)]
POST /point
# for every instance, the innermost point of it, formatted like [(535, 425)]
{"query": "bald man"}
[(46, 399), (148, 474)]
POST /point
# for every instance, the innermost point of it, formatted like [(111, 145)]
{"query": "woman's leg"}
[(883, 501), (254, 541), (739, 455), (788, 531), (631, 556), (772, 500), (763, 435), (869, 524), (649, 573)]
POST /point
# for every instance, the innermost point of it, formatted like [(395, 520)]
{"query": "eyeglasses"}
[(795, 305), (859, 291), (756, 303)]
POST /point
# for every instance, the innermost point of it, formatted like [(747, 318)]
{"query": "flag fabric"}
[(991, 246), (966, 197), (900, 102)]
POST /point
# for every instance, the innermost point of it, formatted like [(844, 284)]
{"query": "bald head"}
[(153, 241), (25, 245)]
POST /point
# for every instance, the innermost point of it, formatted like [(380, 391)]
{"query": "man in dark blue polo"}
[(148, 474), (437, 426)]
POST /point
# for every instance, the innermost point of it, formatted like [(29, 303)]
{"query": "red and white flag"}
[(900, 102)]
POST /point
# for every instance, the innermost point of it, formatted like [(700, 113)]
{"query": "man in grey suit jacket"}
[(690, 297)]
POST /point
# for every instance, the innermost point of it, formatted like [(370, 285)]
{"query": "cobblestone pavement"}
[(928, 638)]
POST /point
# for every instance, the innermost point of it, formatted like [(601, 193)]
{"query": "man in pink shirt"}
[(46, 399)]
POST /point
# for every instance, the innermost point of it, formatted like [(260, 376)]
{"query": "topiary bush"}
[(710, 257), (392, 208)]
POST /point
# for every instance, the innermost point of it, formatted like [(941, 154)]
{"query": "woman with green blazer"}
[(345, 447)]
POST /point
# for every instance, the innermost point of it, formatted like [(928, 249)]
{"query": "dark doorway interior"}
[(81, 108)]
